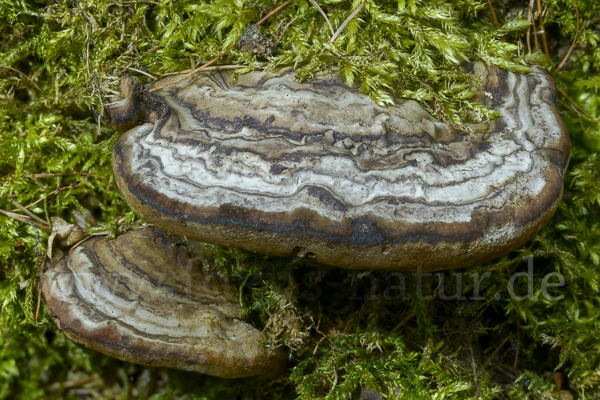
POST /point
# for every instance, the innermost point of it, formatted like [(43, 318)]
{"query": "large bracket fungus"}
[(318, 170), (149, 298)]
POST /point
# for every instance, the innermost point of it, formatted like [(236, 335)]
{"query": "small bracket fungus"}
[(318, 170), (144, 298)]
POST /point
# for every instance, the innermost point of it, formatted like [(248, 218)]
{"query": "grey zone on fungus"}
[(270, 165), (145, 298)]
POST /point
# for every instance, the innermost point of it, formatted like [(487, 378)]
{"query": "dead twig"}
[(26, 211), (142, 72), (530, 20), (71, 186), (570, 107), (274, 11), (64, 174), (516, 361), (494, 354), (70, 385), (493, 14), (285, 28), (502, 266), (474, 364), (371, 46), (194, 71), (220, 55), (410, 314), (574, 39), (542, 30), (192, 63), (347, 21), (577, 105), (19, 72), (39, 301), (140, 1), (314, 3), (535, 38), (24, 219), (216, 67), (449, 359)]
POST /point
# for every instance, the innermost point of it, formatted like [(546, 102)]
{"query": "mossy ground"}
[(60, 61)]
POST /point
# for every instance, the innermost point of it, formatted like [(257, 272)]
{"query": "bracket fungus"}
[(147, 298), (266, 164)]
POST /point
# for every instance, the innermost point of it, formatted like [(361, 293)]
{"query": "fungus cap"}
[(318, 170), (144, 298)]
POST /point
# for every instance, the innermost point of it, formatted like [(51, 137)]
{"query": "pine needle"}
[(347, 21), (19, 72), (142, 72), (194, 71), (26, 211), (314, 3), (574, 40), (273, 12), (21, 218)]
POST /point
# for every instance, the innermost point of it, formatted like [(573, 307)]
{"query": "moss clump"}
[(398, 334)]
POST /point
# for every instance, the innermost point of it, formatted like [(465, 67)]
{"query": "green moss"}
[(60, 62)]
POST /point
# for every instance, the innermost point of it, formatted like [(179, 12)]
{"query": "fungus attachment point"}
[(270, 165), (137, 106), (151, 299)]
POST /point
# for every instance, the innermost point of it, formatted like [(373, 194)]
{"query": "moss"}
[(347, 333)]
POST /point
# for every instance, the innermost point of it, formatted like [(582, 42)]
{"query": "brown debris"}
[(253, 42)]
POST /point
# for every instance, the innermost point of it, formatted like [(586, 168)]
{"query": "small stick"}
[(501, 266), (580, 121), (516, 362), (64, 174), (473, 363), (347, 21), (39, 302), (277, 9), (192, 63), (19, 72), (535, 38), (142, 72), (26, 211), (577, 105), (405, 320), (220, 55), (530, 20), (185, 71), (141, 1), (194, 71), (574, 39), (23, 219), (73, 185), (70, 385), (449, 359), (543, 31), (494, 14), (285, 29), (371, 46), (87, 58), (494, 354), (314, 3)]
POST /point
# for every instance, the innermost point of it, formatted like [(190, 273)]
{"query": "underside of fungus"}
[(318, 170), (152, 299)]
